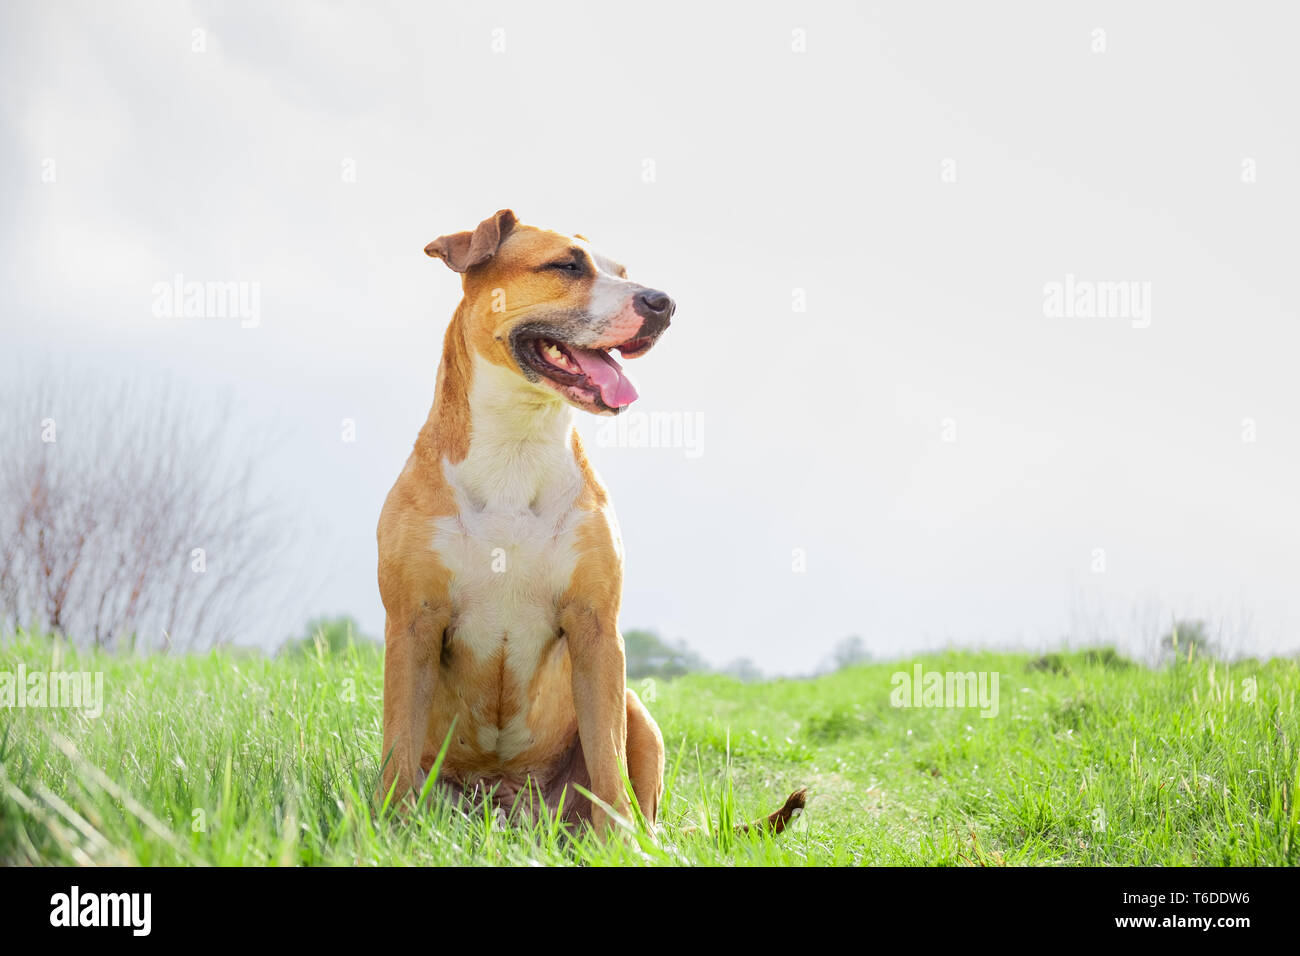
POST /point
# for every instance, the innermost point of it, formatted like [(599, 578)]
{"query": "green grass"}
[(242, 759)]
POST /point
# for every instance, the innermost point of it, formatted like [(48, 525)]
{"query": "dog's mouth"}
[(588, 377)]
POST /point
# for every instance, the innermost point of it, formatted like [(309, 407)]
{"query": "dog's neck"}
[(503, 444)]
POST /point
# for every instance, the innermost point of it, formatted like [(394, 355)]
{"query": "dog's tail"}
[(777, 821), (774, 822)]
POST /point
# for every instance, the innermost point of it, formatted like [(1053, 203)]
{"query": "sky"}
[(986, 314)]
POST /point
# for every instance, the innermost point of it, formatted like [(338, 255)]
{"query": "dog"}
[(500, 561)]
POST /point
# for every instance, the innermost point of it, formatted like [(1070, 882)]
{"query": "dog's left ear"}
[(464, 250)]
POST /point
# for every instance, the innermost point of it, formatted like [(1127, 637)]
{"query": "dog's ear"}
[(464, 250)]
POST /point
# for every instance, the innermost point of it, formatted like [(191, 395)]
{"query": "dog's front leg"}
[(600, 700), (412, 643)]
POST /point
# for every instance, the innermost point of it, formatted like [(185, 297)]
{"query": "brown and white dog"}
[(500, 563)]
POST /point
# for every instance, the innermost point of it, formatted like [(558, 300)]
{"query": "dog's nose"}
[(655, 306)]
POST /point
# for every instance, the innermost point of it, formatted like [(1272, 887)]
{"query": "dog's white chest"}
[(508, 572)]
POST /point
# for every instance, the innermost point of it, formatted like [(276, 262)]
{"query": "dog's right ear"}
[(464, 250)]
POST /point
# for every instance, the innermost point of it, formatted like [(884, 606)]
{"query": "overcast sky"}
[(882, 225)]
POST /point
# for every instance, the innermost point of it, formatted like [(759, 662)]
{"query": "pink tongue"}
[(616, 390)]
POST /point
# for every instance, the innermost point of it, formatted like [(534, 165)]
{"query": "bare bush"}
[(127, 513)]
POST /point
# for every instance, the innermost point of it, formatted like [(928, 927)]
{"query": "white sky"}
[(774, 170)]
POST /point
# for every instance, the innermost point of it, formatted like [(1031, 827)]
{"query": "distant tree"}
[(331, 634), (648, 655), (743, 669), (850, 651), (128, 512), (1188, 638)]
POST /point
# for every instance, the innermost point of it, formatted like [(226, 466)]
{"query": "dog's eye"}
[(568, 265)]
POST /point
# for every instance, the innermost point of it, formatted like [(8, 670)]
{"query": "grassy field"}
[(242, 759)]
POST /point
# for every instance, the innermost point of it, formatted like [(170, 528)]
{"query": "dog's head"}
[(549, 307)]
